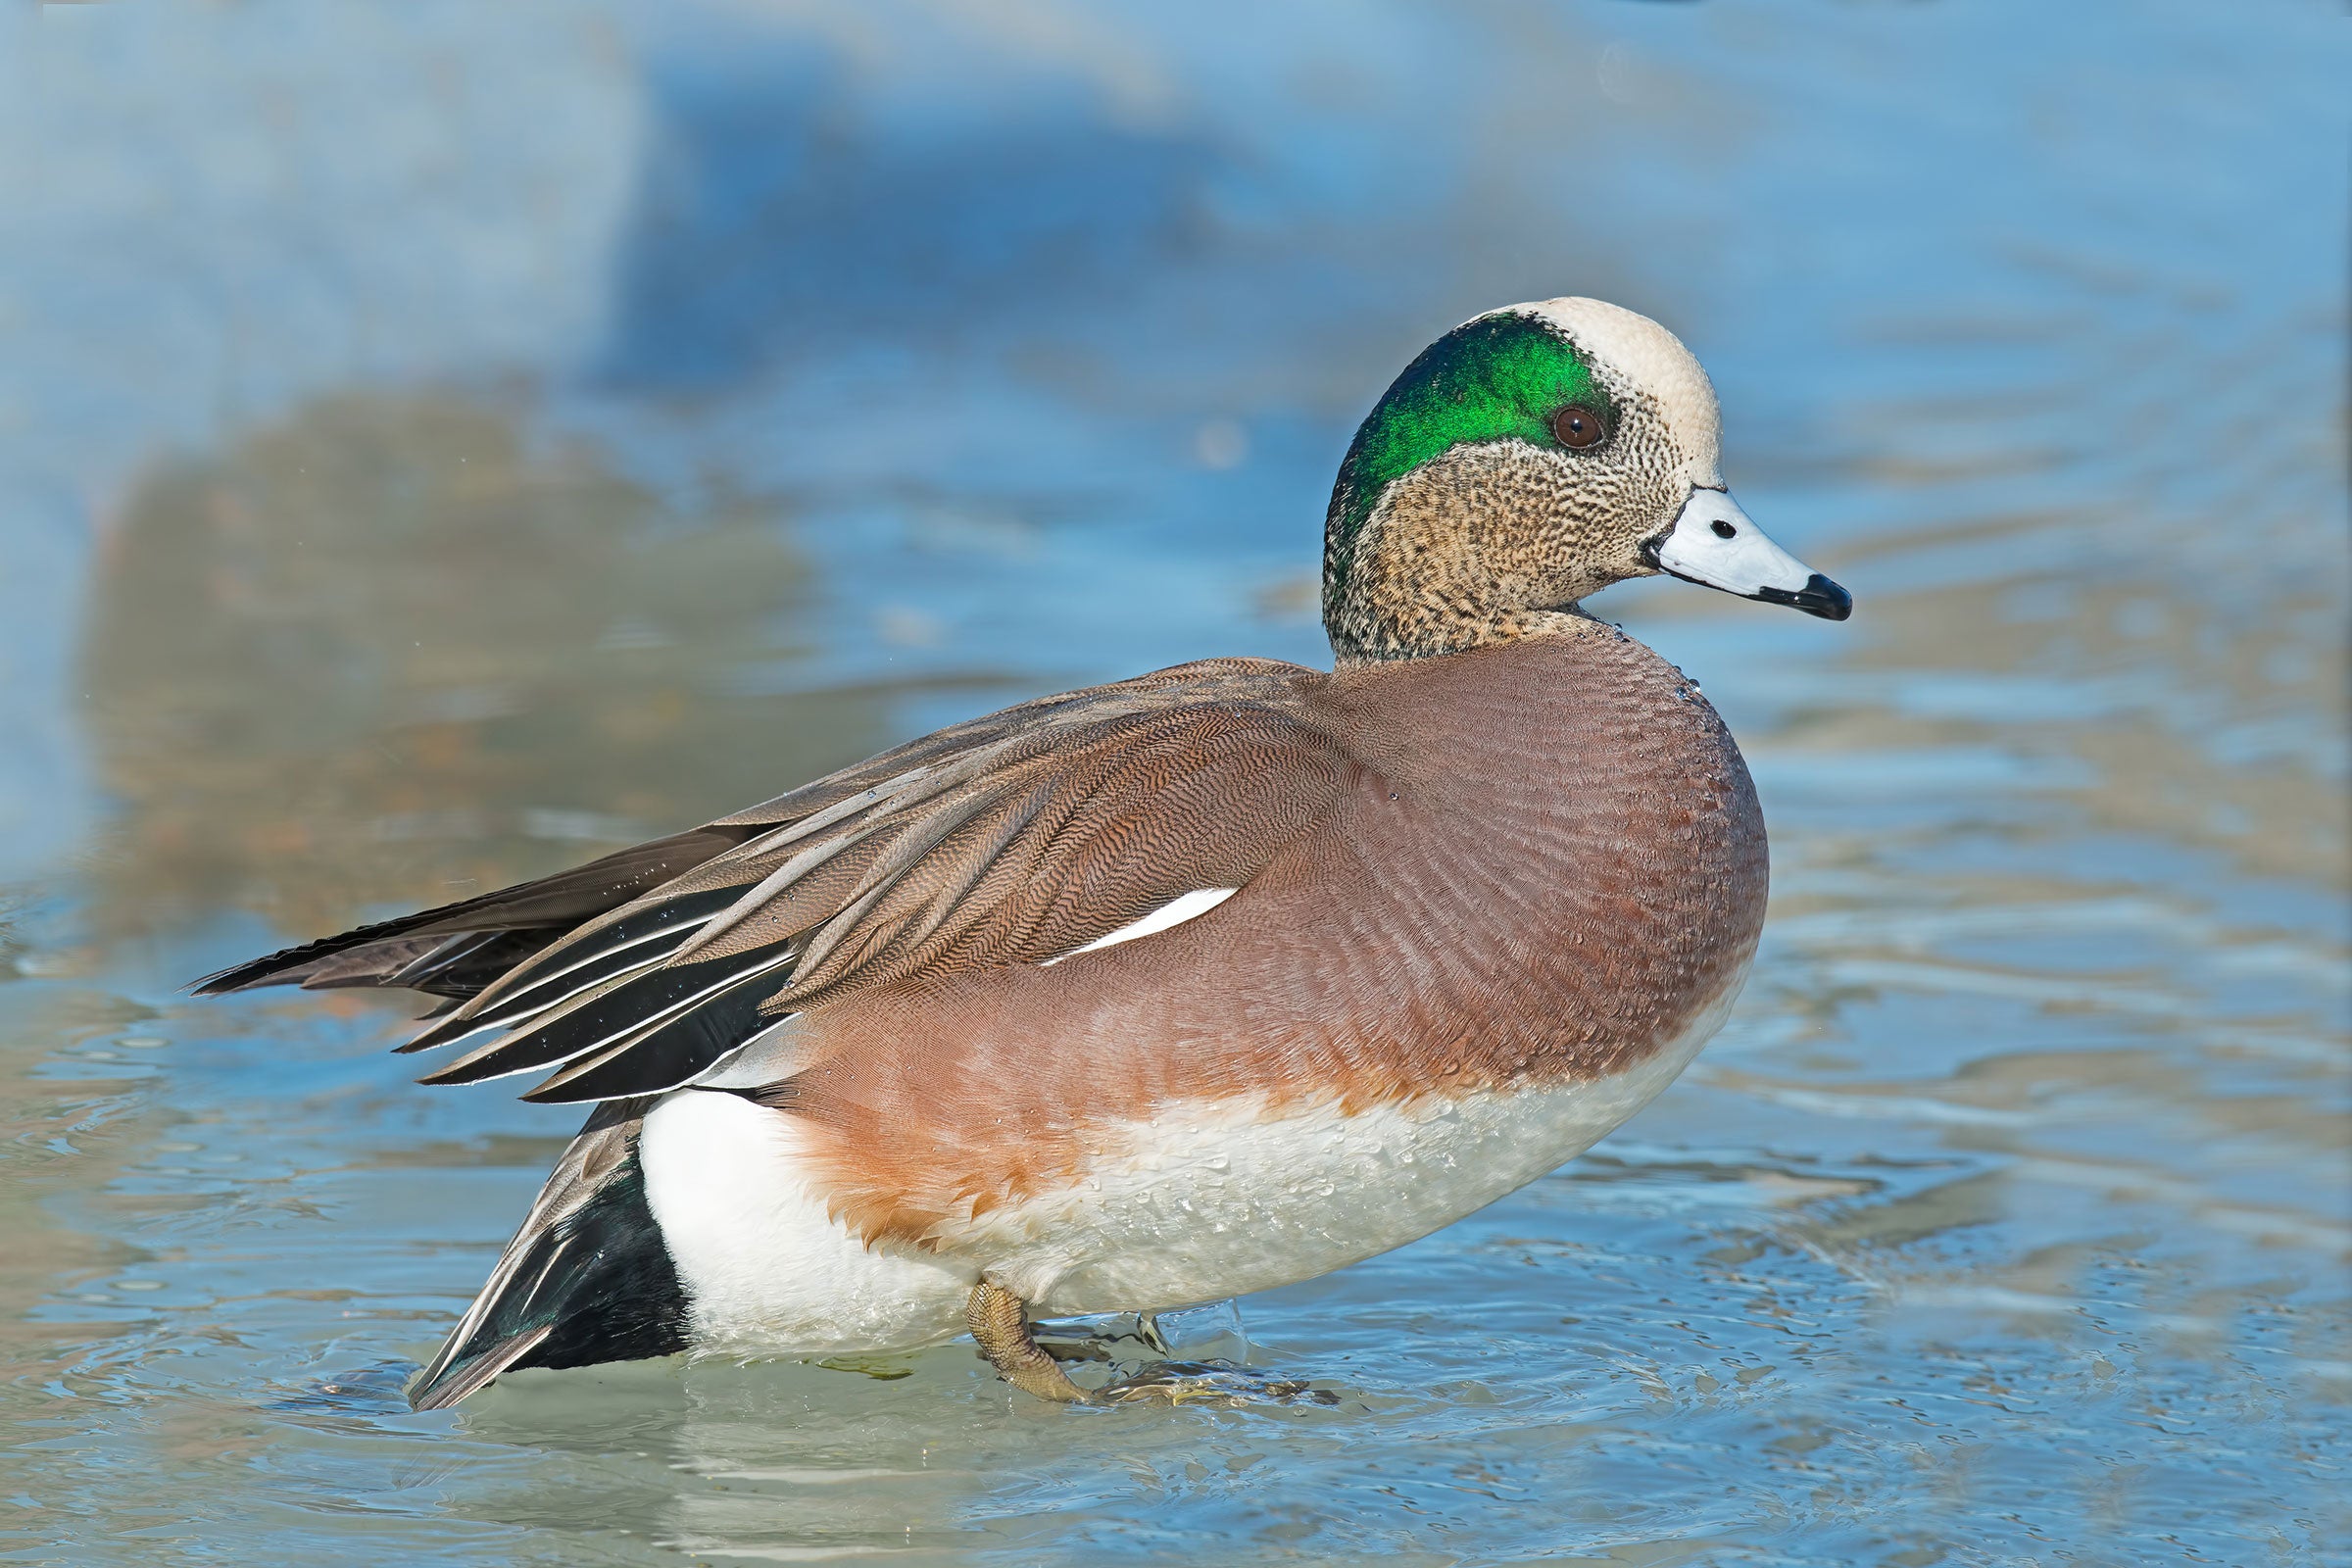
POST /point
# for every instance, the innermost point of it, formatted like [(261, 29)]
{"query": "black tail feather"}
[(587, 1280)]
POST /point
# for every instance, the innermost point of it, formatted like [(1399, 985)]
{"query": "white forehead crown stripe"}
[(1651, 358)]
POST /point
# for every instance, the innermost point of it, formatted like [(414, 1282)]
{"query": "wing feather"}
[(633, 938), (622, 1010), (1014, 837)]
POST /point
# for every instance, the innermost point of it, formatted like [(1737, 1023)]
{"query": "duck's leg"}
[(1000, 1322)]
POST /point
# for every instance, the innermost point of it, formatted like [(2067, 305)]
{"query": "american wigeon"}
[(1167, 989)]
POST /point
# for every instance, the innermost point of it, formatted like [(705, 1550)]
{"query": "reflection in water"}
[(2194, 720), (389, 652)]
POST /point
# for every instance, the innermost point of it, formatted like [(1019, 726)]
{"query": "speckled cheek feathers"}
[(1459, 546), (1478, 543)]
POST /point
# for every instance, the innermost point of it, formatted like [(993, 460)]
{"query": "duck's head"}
[(1528, 458)]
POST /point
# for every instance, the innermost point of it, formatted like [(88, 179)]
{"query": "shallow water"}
[(439, 444)]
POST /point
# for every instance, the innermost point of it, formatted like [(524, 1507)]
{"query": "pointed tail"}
[(587, 1279)]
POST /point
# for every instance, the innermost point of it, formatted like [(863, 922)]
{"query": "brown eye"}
[(1576, 426)]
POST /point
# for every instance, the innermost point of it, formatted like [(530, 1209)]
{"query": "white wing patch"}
[(1183, 907)]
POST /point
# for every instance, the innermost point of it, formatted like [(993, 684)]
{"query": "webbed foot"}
[(1000, 1325)]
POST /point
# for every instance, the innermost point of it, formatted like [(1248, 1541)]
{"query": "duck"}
[(1165, 991)]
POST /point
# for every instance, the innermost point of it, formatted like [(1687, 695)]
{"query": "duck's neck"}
[(1456, 555), (1412, 587), (1357, 638)]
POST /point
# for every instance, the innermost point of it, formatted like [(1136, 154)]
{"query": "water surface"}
[(439, 445)]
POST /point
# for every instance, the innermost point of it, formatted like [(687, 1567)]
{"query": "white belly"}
[(1216, 1199), (1207, 1200), (764, 1267)]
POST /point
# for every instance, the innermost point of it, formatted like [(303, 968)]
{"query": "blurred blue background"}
[(439, 442)]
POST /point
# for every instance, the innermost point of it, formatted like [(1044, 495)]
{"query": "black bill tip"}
[(1818, 596)]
